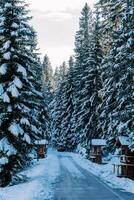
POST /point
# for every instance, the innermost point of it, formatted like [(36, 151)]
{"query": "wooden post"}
[(118, 170), (37, 152), (114, 168)]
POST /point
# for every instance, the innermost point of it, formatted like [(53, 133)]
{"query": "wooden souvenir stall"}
[(96, 148)]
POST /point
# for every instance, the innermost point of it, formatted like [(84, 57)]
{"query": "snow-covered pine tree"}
[(90, 99), (39, 111), (47, 73), (62, 71), (57, 105), (111, 14), (93, 84), (48, 90), (17, 91), (47, 70), (117, 108), (67, 139), (82, 53), (56, 75)]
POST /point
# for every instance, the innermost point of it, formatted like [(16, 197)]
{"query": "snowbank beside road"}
[(105, 172), (41, 177)]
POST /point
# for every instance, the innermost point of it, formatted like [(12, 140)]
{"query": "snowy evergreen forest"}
[(94, 92), (91, 96)]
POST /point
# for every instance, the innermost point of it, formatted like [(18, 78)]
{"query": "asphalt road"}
[(84, 187)]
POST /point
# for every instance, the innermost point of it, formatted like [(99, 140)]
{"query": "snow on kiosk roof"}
[(124, 140), (98, 142), (41, 142)]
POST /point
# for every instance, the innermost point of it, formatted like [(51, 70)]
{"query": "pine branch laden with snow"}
[(117, 109), (3, 69), (15, 129), (20, 97)]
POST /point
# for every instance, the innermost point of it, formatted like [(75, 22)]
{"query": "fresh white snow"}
[(124, 140), (25, 121), (41, 142), (14, 91), (43, 174), (105, 172), (7, 44), (41, 177), (3, 161), (17, 82), (27, 138), (8, 5), (14, 33), (8, 150), (7, 55), (98, 142), (1, 89), (71, 168), (34, 129), (6, 147), (22, 70), (9, 109), (15, 129), (14, 25), (5, 97), (3, 69)]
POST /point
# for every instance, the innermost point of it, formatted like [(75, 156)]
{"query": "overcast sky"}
[(56, 22)]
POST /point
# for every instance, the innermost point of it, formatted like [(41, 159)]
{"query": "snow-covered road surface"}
[(76, 183), (68, 176)]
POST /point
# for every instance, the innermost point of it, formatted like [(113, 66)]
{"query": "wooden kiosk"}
[(96, 147), (125, 167), (41, 148)]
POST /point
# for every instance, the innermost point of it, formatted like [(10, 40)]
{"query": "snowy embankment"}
[(41, 177), (105, 172)]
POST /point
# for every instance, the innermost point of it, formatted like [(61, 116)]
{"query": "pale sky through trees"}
[(56, 22)]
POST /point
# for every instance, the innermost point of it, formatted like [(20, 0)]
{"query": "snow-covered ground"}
[(71, 168), (105, 172), (39, 186), (43, 176)]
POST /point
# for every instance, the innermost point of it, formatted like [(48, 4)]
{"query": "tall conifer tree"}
[(17, 91), (67, 138), (82, 47), (117, 113)]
